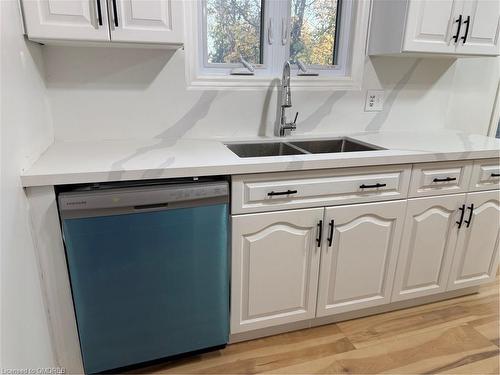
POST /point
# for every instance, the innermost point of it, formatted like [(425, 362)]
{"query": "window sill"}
[(212, 82)]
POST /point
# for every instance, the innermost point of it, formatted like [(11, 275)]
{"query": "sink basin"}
[(334, 145), (250, 150)]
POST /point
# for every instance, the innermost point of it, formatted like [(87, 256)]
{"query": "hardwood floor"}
[(458, 336)]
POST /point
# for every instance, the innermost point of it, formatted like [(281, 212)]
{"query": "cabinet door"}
[(426, 252), (476, 256), (357, 270), (430, 25), (482, 36), (275, 261), (147, 21), (68, 20)]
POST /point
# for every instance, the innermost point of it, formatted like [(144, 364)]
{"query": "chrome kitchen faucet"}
[(286, 102)]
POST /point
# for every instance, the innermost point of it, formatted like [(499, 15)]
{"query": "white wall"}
[(25, 132), (473, 94), (112, 93)]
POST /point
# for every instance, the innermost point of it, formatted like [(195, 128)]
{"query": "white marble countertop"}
[(83, 162)]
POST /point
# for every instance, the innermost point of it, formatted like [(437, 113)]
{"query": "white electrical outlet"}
[(374, 101)]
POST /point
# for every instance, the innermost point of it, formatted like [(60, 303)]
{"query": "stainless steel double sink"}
[(344, 144)]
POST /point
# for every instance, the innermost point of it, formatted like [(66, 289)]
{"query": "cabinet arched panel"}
[(275, 260), (357, 270), (427, 246), (476, 256), (286, 265)]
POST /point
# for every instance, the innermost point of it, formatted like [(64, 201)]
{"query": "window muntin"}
[(313, 35), (234, 28)]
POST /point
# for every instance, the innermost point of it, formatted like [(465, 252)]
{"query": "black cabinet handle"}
[(320, 233), (495, 175), (459, 222), (446, 179), (288, 192), (99, 12), (459, 21), (471, 208), (115, 13), (330, 235), (377, 185), (464, 38)]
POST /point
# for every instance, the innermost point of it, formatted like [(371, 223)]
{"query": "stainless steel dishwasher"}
[(149, 269)]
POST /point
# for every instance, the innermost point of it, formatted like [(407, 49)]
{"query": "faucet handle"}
[(295, 119)]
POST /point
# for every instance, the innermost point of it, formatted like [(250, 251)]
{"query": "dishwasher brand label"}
[(76, 203)]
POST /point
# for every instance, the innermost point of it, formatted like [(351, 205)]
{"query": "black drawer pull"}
[(320, 233), (462, 213), (330, 235), (459, 21), (495, 175), (467, 22), (446, 179), (115, 13), (99, 12), (288, 192), (471, 208), (377, 185)]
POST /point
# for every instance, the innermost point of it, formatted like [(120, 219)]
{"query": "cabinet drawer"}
[(485, 175), (440, 178), (276, 191)]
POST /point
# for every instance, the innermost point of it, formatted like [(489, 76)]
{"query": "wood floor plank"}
[(265, 353), (457, 336), (363, 331), (486, 366), (424, 353), (489, 327)]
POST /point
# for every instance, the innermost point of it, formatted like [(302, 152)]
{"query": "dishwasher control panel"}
[(142, 196)]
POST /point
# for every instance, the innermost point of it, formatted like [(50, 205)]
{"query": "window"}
[(247, 41), (233, 28), (313, 33)]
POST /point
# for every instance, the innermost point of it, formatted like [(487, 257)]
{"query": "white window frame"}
[(224, 70), (347, 76), (342, 52)]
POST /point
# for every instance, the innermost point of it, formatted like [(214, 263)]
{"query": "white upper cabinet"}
[(476, 255), (124, 21), (430, 24), (149, 21), (275, 261), (450, 27), (359, 256), (481, 27), (429, 238), (66, 20)]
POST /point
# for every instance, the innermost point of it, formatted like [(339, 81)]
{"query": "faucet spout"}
[(286, 95)]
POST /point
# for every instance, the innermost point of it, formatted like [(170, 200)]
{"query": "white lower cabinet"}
[(427, 247), (476, 254), (359, 256), (295, 265), (275, 262)]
